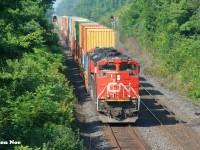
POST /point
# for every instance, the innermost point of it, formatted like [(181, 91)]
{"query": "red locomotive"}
[(113, 81)]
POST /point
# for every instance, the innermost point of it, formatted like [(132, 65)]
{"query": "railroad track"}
[(182, 137), (125, 138)]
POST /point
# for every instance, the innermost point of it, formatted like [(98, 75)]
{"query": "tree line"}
[(91, 9), (170, 31), (37, 103)]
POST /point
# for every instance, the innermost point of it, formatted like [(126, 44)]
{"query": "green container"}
[(77, 28)]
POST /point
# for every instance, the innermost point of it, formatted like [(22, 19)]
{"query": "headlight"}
[(129, 96), (108, 96), (118, 77)]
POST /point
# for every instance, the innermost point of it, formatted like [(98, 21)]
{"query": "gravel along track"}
[(91, 128), (87, 118), (180, 136), (182, 107)]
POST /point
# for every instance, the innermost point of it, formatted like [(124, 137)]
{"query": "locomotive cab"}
[(119, 90), (116, 86), (121, 79)]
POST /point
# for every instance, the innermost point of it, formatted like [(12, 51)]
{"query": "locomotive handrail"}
[(134, 92), (99, 96), (120, 84), (137, 96)]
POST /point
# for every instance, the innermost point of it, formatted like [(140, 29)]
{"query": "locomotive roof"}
[(106, 53)]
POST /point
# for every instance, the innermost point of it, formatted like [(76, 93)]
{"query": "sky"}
[(56, 3)]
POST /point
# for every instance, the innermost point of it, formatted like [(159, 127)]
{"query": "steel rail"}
[(113, 136), (142, 145), (127, 136)]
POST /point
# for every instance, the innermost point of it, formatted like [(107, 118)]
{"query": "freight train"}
[(111, 77)]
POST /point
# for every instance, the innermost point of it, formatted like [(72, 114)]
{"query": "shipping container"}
[(78, 26), (79, 44), (74, 21), (83, 58), (85, 62), (81, 31), (98, 37), (71, 31), (84, 31), (81, 51), (64, 22), (70, 27), (64, 27), (73, 34)]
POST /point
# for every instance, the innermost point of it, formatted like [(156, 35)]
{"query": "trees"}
[(91, 9), (37, 102), (67, 7), (29, 91), (24, 27), (169, 29)]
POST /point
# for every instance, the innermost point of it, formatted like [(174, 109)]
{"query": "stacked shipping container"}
[(64, 27), (81, 35)]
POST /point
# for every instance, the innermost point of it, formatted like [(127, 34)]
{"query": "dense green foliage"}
[(37, 103), (91, 9), (67, 8), (171, 31), (23, 27)]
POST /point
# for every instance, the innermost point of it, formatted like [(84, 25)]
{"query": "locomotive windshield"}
[(124, 67), (107, 67)]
